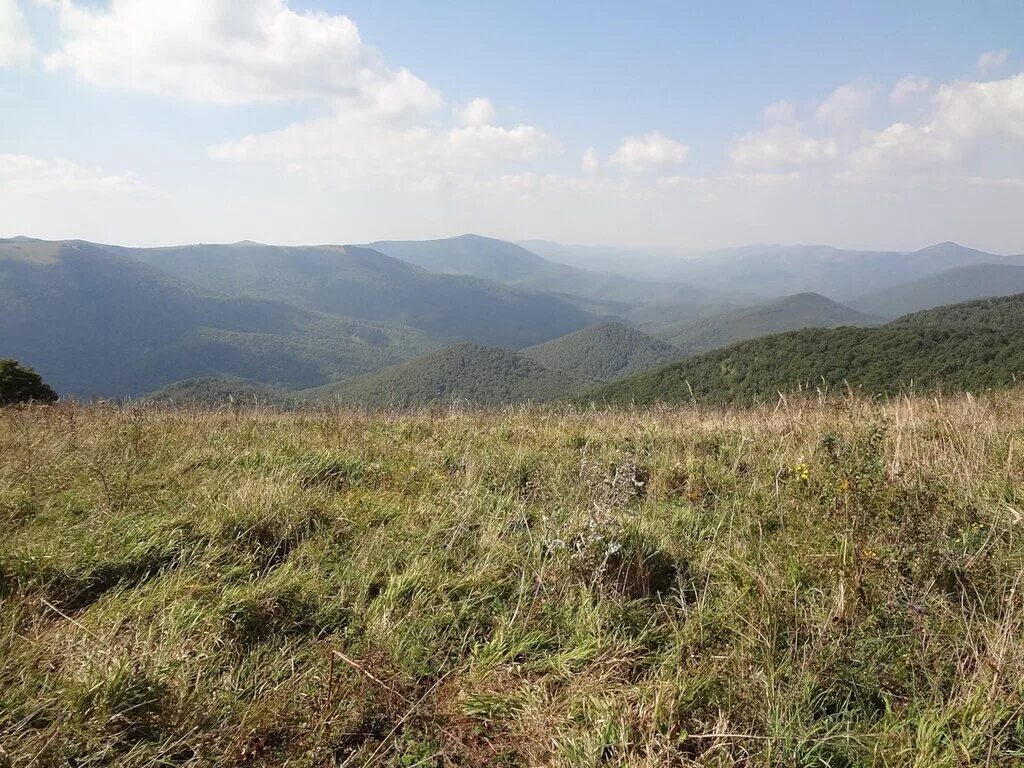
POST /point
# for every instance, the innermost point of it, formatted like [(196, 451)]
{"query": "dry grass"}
[(816, 583)]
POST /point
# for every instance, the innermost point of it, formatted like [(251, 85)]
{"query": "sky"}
[(676, 126)]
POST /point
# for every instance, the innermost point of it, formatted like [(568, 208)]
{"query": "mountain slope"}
[(362, 283), (94, 323), (219, 391), (513, 265), (803, 310), (463, 372), (603, 352), (949, 287), (972, 346)]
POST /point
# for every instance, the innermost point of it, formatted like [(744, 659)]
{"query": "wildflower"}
[(802, 471)]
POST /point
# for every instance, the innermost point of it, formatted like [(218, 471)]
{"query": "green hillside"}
[(94, 323), (219, 391), (804, 310), (362, 283), (463, 372), (973, 347), (603, 352), (952, 286)]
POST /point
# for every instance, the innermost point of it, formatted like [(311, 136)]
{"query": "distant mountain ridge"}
[(96, 323), (362, 283), (802, 310), (778, 270), (514, 265), (959, 284)]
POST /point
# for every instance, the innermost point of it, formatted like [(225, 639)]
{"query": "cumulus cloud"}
[(907, 88), (968, 110), (220, 52), (965, 114), (477, 112), (344, 147), (650, 152), (16, 45), (591, 162), (990, 60), (780, 146), (846, 104), (381, 121), (25, 174)]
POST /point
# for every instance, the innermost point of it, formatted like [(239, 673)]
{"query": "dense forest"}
[(973, 347)]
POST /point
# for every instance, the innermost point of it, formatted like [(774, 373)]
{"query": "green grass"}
[(809, 584)]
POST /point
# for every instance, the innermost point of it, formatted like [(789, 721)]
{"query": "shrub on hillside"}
[(19, 384)]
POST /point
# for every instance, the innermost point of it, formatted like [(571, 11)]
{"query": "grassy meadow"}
[(835, 583)]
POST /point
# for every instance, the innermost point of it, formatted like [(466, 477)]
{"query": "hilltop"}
[(969, 347), (460, 373), (803, 310), (603, 352)]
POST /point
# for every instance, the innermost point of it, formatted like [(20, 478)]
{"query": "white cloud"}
[(382, 121), (347, 146), (900, 147), (990, 60), (966, 115), (591, 162), (477, 112), (654, 150), (907, 88), (780, 146), (846, 104), (224, 52), (968, 110), (28, 175), (16, 45)]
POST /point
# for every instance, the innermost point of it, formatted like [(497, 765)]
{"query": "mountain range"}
[(397, 320)]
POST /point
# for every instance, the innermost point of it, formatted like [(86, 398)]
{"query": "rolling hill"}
[(94, 323), (973, 346), (803, 310), (977, 281), (603, 352), (364, 284), (463, 372)]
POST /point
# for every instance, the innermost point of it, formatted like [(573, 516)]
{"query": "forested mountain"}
[(95, 323), (972, 346), (362, 283), (803, 310), (955, 285), (513, 265), (603, 352), (460, 373)]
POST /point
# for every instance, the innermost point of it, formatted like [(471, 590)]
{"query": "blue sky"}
[(655, 124)]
